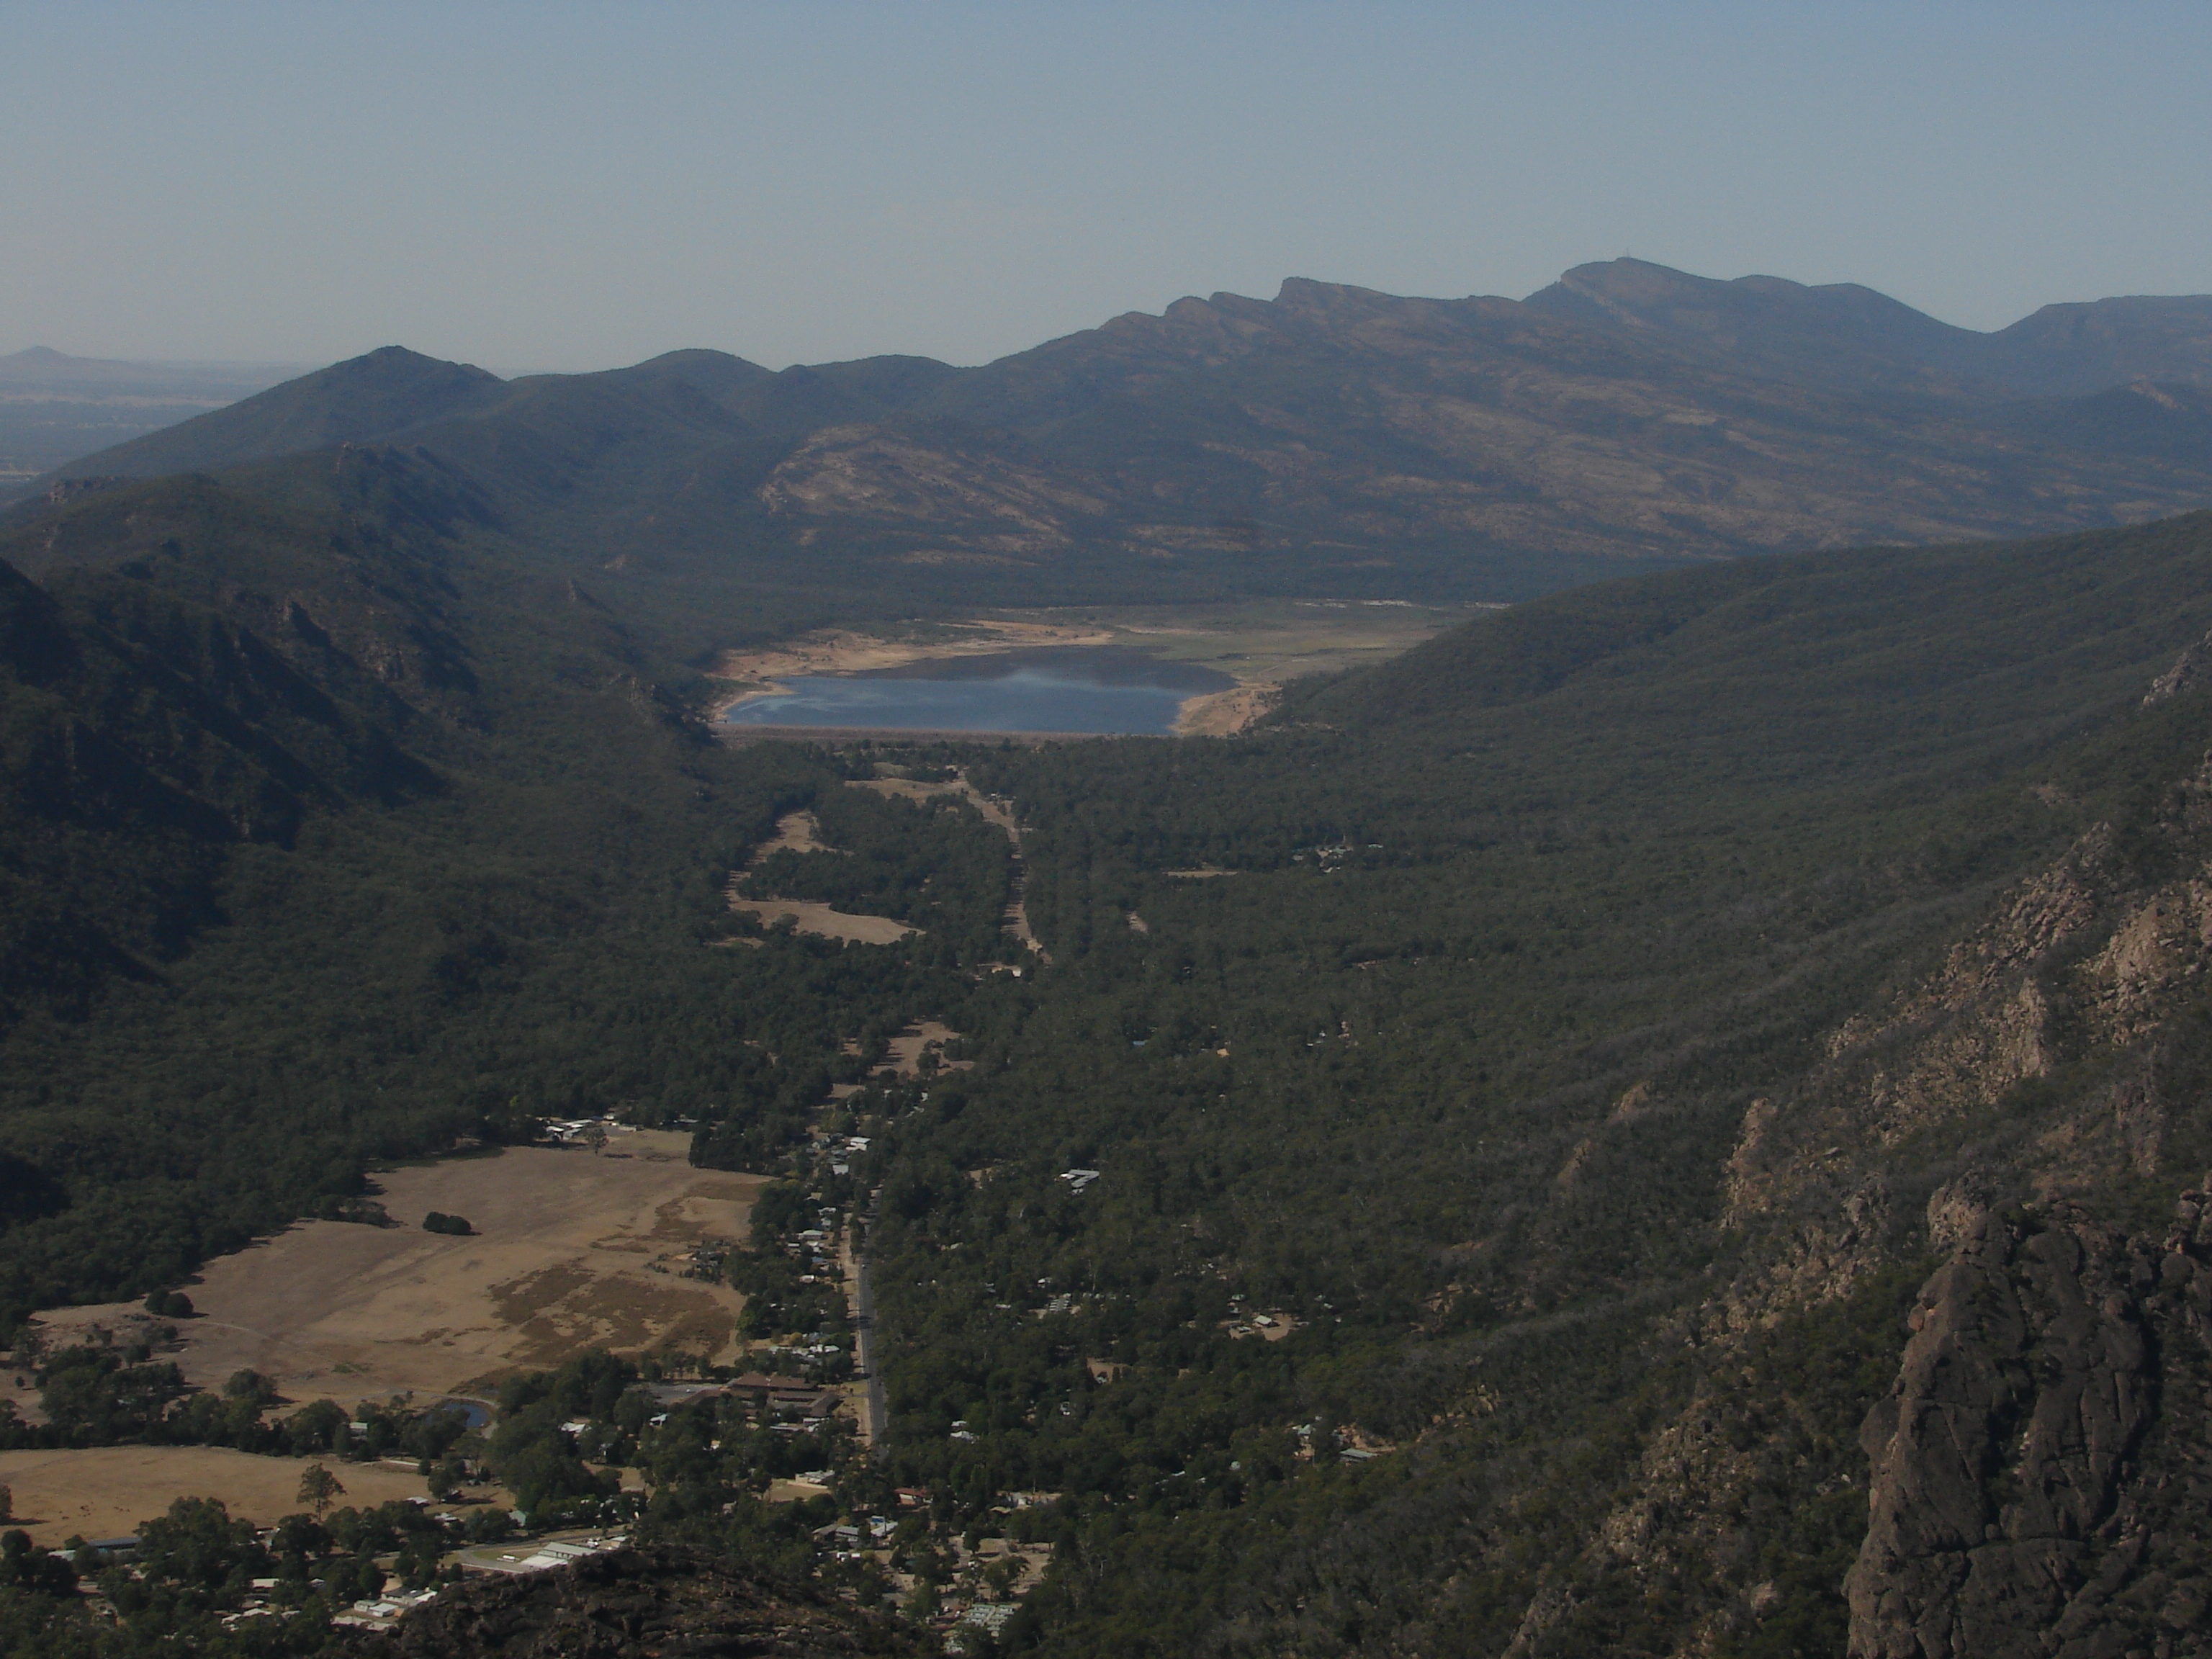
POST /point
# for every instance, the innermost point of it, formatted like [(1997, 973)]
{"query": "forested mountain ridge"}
[(54, 407), (1849, 334), (336, 830), (1589, 1067), (1332, 440), (379, 396)]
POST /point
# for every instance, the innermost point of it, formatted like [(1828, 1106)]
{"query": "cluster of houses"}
[(813, 1246), (785, 1400), (785, 1403), (965, 1612), (585, 1131), (377, 1613), (541, 1557)]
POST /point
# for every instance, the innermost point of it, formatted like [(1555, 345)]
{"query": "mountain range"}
[(1332, 440)]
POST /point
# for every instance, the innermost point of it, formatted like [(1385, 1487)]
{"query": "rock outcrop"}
[(2040, 1469)]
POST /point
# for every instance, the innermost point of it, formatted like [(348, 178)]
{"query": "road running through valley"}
[(864, 1330)]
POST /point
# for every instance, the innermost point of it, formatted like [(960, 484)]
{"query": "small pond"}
[(1089, 689)]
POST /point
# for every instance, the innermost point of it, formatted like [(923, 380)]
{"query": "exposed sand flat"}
[(558, 1264), (843, 652), (104, 1492), (1224, 714), (809, 917), (1260, 644)]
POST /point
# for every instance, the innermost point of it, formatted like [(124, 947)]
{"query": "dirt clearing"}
[(806, 916), (571, 1251), (104, 1492), (801, 832), (906, 1048), (795, 832)]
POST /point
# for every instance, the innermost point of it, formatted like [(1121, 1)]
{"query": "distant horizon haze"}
[(561, 187), (510, 372)]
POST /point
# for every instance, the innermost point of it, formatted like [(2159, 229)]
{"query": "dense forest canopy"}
[(1454, 1179)]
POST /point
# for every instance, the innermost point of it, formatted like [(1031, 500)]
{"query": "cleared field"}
[(800, 832), (806, 916), (795, 832), (906, 1048), (106, 1490), (571, 1251)]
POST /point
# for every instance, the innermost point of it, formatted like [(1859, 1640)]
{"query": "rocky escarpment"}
[(2040, 1470), (629, 1603)]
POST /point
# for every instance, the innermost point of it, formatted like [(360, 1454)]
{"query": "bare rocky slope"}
[(2035, 1472)]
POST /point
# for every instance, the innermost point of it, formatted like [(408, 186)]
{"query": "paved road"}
[(864, 1332)]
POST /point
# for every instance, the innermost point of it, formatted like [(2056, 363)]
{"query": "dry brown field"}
[(806, 916), (571, 1251), (795, 832), (906, 1048), (106, 1490)]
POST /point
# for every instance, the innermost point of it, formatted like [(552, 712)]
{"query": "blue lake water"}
[(1084, 688)]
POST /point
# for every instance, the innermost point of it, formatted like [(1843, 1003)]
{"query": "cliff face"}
[(2033, 1474), (2041, 1468)]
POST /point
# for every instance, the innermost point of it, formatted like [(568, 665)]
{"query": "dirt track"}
[(994, 813)]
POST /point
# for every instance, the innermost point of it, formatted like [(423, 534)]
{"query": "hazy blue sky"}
[(562, 185)]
